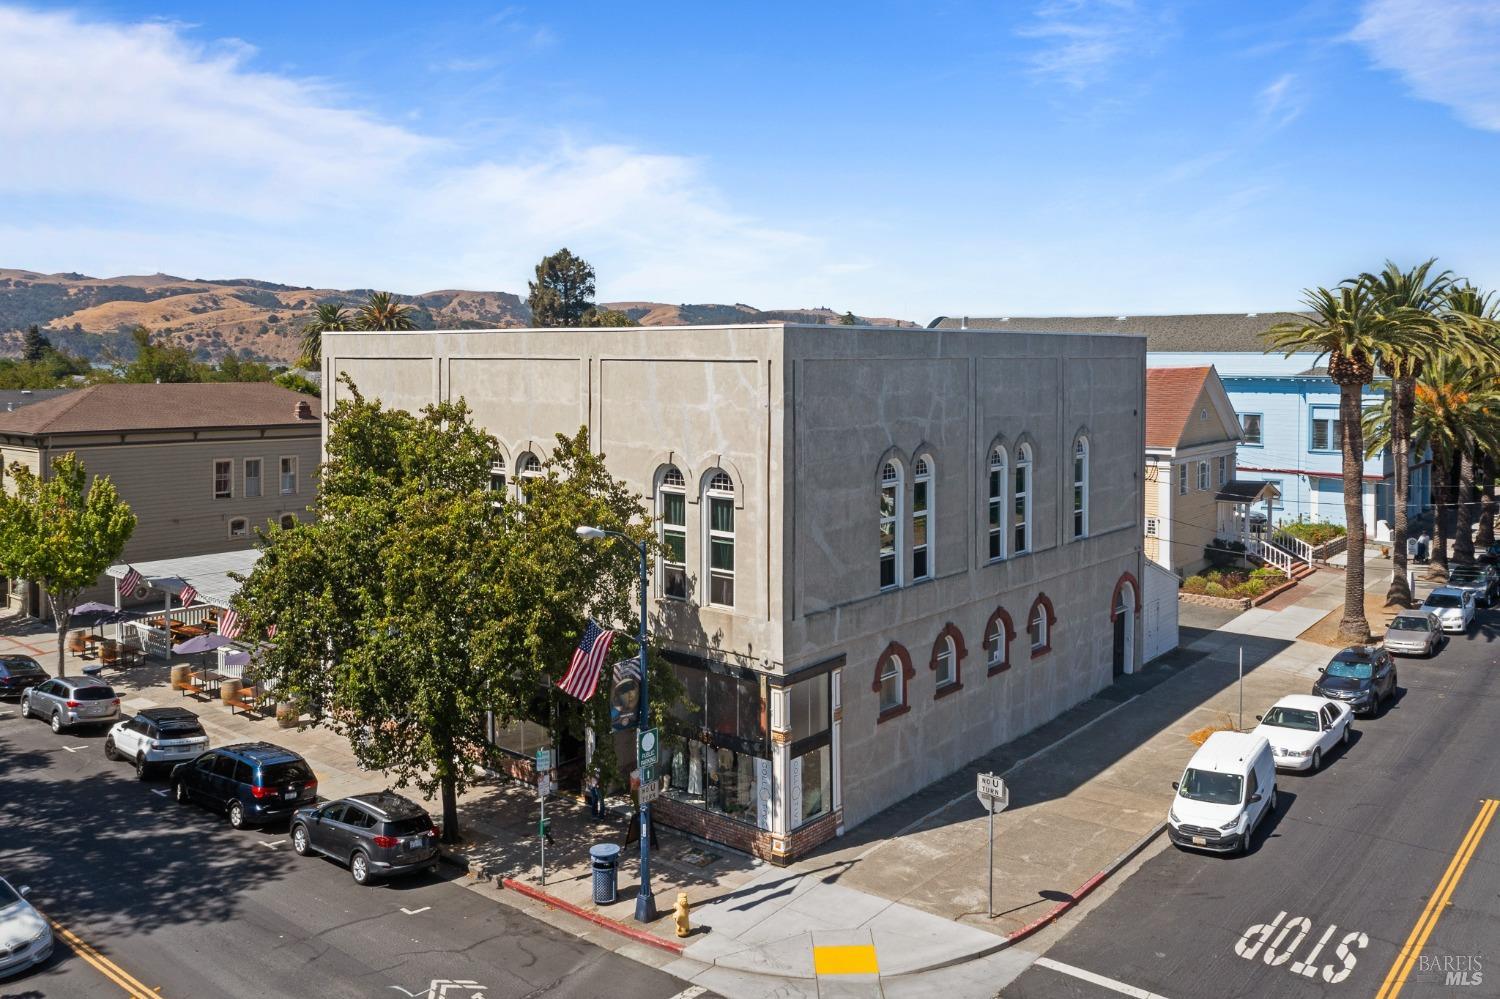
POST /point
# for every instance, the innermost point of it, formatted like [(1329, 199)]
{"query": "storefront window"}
[(718, 746), (810, 708), (815, 785)]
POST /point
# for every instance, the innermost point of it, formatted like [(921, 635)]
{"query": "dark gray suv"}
[(375, 834), (66, 701)]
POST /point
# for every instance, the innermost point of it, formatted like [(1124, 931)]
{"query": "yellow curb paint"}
[(853, 960)]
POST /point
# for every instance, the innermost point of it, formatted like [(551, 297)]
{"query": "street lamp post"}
[(645, 901)]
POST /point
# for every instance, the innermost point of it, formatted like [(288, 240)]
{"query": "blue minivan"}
[(255, 783)]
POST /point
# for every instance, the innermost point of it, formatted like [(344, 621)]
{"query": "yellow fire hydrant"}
[(680, 914)]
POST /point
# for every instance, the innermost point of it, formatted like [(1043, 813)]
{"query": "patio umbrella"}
[(203, 643), (92, 607), (91, 615)]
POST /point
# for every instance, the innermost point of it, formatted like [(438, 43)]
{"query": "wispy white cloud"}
[(1280, 101), (1445, 50), (1080, 42), (155, 151)]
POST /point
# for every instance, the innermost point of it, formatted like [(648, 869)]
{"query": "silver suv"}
[(66, 701)]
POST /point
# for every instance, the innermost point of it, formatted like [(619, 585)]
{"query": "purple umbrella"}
[(203, 643), (92, 607)]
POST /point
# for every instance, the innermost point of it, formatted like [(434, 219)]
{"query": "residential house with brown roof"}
[(202, 465)]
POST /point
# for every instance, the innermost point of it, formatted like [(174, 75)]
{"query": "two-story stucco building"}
[(1288, 407), (889, 550), (201, 465)]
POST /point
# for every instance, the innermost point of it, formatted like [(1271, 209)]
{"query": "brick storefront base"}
[(718, 828)]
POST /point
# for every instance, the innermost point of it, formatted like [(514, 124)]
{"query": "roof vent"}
[(304, 410), (1121, 319), (1251, 315), (1005, 319), (963, 323)]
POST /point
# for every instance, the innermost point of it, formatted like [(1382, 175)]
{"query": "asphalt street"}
[(170, 901), (1386, 860)]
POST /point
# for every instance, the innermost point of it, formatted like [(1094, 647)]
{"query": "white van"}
[(1229, 786)]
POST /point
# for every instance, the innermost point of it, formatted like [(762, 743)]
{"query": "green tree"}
[(382, 312), (1347, 326), (1473, 317), (848, 319), (607, 317), (331, 316), (297, 383), (563, 292), (159, 361), (34, 345), (61, 532)]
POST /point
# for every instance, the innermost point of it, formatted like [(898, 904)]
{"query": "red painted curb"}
[(639, 936), (1084, 889)]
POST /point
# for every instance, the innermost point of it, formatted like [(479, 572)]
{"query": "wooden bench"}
[(244, 699)]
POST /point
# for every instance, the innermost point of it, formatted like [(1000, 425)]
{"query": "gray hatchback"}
[(66, 701), (375, 834)]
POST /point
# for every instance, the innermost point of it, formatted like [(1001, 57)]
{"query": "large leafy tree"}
[(1349, 327), (159, 360), (382, 312), (34, 344), (413, 608), (61, 532), (563, 292), (329, 317)]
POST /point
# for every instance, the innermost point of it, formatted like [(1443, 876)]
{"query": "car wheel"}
[(56, 722), (359, 866), (180, 792), (236, 815), (1317, 761), (25, 706), (1271, 807), (141, 766), (1346, 735), (299, 841), (109, 749)]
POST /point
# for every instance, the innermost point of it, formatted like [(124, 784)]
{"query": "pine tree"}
[(563, 292), (34, 344)]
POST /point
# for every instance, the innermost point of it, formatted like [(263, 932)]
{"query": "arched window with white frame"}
[(719, 498), (892, 684), (998, 473), (998, 633), (921, 518), (497, 480), (890, 525), (671, 512), (528, 468), (1081, 487), (1022, 505)]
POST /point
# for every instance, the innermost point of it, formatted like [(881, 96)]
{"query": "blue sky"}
[(897, 159)]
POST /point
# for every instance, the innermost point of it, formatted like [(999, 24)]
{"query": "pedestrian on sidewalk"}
[(1422, 543)]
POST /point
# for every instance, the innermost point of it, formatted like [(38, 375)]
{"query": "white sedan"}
[(1453, 607), (25, 937), (1303, 729)]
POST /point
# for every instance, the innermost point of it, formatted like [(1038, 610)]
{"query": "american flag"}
[(627, 669), (588, 659), (131, 582), (188, 594), (270, 631), (230, 624)]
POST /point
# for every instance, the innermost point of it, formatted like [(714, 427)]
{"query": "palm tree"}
[(1349, 327), (1474, 316), (1419, 291), (383, 312), (330, 316)]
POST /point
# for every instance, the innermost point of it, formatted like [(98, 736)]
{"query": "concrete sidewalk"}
[(898, 906)]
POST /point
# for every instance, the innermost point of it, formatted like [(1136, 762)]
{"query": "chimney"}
[(963, 323), (304, 410)]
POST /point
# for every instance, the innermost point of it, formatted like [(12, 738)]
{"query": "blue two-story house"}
[(1288, 407)]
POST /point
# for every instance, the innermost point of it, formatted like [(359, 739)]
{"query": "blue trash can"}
[(605, 861)]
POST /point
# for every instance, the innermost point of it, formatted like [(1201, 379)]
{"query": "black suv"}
[(1361, 676), (255, 782), (17, 673), (375, 834)]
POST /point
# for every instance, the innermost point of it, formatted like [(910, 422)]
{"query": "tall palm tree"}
[(1474, 317), (383, 312), (1417, 290), (1348, 326), (330, 316)]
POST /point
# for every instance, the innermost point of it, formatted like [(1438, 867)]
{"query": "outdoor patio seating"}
[(78, 644)]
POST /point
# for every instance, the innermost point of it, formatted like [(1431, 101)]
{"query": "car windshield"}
[(182, 730), (1442, 600), (1410, 622), (1356, 671), (1205, 785), (8, 895), (408, 826), (93, 694), (21, 664), (284, 773), (1306, 721)]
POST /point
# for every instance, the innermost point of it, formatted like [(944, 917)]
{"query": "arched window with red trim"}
[(998, 632), (1040, 622)]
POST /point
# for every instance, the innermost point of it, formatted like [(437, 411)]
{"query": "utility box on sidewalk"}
[(605, 861)]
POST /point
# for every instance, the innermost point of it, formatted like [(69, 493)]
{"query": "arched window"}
[(1081, 488), (1039, 624), (890, 525), (528, 467), (997, 503), (921, 518), (719, 498), (893, 674), (671, 509), (497, 479), (1022, 543), (239, 527), (947, 660), (288, 521), (998, 633)]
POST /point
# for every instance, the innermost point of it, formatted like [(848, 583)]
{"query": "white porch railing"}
[(1270, 554), (1299, 548)]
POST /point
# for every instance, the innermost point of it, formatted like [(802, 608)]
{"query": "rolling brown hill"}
[(92, 315)]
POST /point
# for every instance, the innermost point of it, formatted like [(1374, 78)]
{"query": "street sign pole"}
[(994, 796), (1242, 689), (542, 832), (992, 865)]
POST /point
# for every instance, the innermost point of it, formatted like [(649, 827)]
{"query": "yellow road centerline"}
[(102, 964), (1395, 979)]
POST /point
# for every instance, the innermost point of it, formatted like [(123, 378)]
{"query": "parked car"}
[(1454, 608), (66, 701), (1227, 790), (253, 782), (1414, 633), (25, 936), (155, 736), (1491, 554), (377, 835), (1362, 676), (1481, 580), (19, 674), (1302, 730)]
